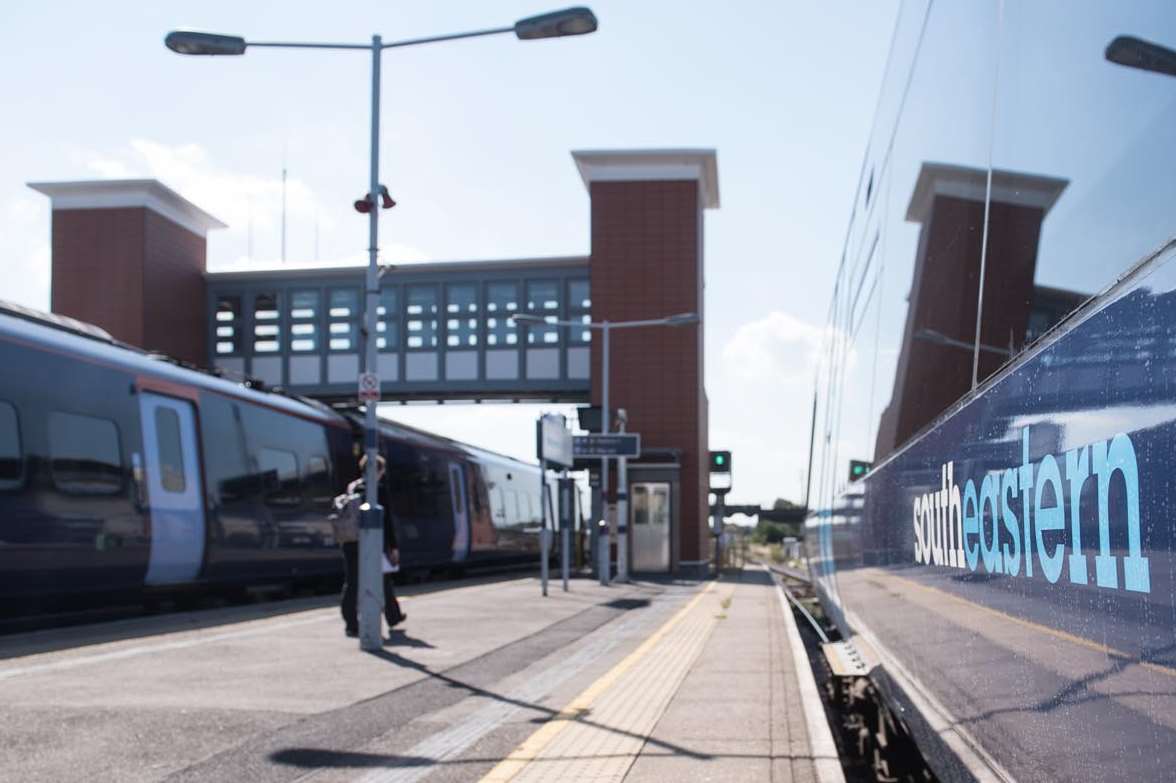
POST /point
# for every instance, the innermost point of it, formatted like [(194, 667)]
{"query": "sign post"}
[(720, 484), (370, 598), (566, 511), (554, 446)]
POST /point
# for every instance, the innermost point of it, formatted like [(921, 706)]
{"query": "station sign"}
[(619, 444), (555, 440)]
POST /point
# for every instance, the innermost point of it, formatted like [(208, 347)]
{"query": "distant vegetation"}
[(774, 532)]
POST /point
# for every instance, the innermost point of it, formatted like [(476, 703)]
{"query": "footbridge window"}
[(502, 301), (303, 316), (421, 317), (462, 316), (228, 326), (341, 319), (267, 324), (388, 320)]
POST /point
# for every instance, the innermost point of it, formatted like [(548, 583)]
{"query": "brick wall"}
[(98, 268), (647, 263), (134, 273), (174, 324)]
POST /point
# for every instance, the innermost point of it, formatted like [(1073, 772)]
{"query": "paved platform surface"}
[(640, 682)]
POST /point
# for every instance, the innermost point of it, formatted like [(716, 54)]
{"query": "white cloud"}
[(761, 401), (24, 246), (234, 197), (777, 349)]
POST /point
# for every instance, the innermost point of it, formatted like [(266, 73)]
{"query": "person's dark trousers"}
[(350, 586), (347, 606), (392, 611)]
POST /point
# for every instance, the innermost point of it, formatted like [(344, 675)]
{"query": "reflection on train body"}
[(1016, 182)]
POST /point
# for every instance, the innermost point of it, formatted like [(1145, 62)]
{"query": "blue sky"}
[(476, 139)]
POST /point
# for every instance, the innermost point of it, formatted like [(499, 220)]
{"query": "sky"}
[(475, 144)]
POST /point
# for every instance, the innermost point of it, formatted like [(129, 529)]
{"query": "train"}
[(1001, 351), (124, 473)]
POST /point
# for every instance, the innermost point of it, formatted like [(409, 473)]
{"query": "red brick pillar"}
[(129, 256), (647, 262)]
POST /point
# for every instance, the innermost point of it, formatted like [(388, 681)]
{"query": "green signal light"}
[(719, 460)]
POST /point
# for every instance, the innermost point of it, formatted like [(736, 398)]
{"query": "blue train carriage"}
[(456, 506), (1002, 346), (120, 470)]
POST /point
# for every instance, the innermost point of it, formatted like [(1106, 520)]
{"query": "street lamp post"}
[(570, 21), (606, 327)]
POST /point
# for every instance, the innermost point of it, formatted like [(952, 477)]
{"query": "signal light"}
[(858, 468), (720, 462)]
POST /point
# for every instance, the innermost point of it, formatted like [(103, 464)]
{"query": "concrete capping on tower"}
[(971, 184), (111, 194), (653, 165), (129, 256)]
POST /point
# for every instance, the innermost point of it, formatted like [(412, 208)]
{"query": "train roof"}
[(415, 435), (86, 342), (91, 343)]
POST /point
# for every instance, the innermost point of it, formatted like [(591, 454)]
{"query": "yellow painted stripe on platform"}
[(531, 747), (1057, 633)]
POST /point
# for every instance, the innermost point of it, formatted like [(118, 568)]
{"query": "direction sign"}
[(619, 444), (369, 387), (555, 440)]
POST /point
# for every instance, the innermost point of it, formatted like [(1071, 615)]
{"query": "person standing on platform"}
[(348, 507)]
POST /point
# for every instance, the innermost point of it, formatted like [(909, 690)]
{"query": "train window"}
[(342, 319), (223, 436), (421, 317), (318, 482), (171, 452), (502, 299), (461, 315), (84, 454), (388, 319), (498, 509), (228, 325), (304, 313), (579, 309), (11, 461), (543, 299), (279, 469), (267, 327)]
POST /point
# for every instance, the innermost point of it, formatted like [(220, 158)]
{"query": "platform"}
[(489, 681)]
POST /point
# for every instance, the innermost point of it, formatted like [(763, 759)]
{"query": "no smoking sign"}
[(369, 387)]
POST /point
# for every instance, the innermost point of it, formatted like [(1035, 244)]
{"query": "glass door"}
[(650, 522)]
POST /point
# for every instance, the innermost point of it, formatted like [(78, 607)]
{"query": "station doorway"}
[(650, 523)]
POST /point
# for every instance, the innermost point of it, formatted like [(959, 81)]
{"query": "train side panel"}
[(69, 517), (1012, 569)]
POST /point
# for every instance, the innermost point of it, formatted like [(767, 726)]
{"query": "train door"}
[(174, 498), (461, 517), (650, 523)]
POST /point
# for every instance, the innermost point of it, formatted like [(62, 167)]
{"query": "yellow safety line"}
[(531, 747), (1056, 633)]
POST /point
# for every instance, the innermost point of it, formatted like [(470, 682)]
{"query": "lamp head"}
[(1146, 56), (570, 21), (190, 42)]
